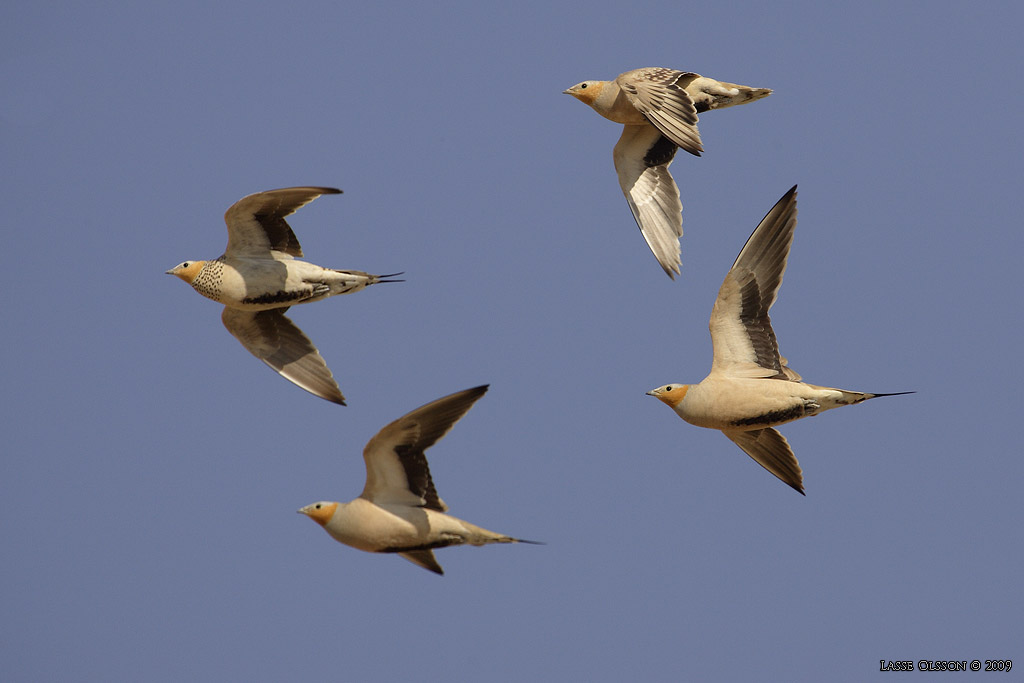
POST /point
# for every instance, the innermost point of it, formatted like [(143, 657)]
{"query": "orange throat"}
[(320, 513), (674, 396), (588, 95), (190, 272)]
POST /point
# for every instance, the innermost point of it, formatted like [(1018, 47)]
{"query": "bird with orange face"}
[(260, 276), (751, 389), (399, 510), (658, 108)]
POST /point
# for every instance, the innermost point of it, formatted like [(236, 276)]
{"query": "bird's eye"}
[(668, 388), (318, 506), (583, 86), (185, 264)]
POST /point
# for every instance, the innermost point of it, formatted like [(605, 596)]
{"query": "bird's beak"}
[(168, 272), (649, 393), (566, 92)]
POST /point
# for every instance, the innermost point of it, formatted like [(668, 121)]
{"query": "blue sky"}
[(152, 467)]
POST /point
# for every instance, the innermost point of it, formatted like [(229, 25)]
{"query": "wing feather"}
[(655, 94), (642, 157), (423, 558), (277, 341), (741, 330), (771, 451), (256, 223), (396, 464)]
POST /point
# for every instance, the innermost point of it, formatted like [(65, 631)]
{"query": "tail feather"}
[(712, 94), (751, 94), (382, 278), (498, 538), (861, 396)]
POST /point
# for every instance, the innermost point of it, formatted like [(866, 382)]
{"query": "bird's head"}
[(321, 512), (670, 394), (187, 270), (586, 92)]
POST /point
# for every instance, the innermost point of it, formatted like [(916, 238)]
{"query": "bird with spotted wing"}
[(751, 388), (658, 108), (260, 276), (399, 510)]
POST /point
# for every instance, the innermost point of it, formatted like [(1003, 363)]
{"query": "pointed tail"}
[(853, 397), (721, 94)]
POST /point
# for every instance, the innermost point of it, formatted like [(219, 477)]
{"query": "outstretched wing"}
[(256, 223), (274, 339), (642, 157), (396, 465), (741, 330), (772, 452), (423, 558)]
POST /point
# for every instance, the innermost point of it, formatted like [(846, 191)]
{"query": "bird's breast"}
[(746, 403), (614, 105), (260, 284), (210, 280), (367, 526)]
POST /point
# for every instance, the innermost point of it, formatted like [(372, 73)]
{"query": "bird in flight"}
[(658, 108), (260, 276), (751, 389), (399, 510)]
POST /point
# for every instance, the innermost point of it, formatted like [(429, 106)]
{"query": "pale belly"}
[(374, 528), (262, 284), (747, 404)]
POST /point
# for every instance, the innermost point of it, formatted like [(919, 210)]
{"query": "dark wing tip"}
[(317, 188), (472, 394), (774, 222), (423, 557)]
